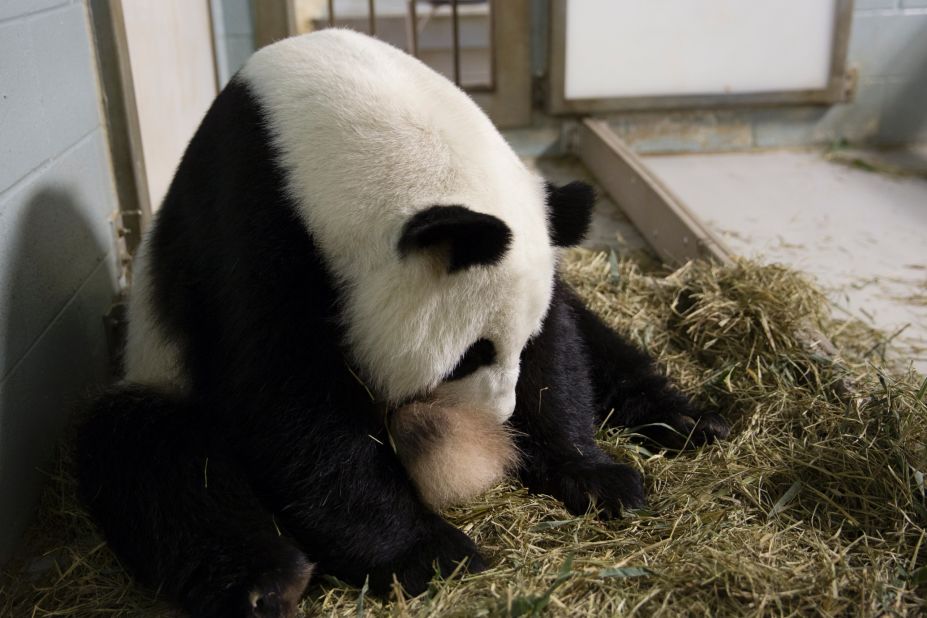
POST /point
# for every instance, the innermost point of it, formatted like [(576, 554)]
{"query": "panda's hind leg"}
[(178, 514), (630, 391), (555, 420)]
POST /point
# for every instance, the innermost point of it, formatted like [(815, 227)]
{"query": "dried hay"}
[(815, 505)]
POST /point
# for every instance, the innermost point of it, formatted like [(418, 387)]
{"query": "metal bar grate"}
[(413, 42)]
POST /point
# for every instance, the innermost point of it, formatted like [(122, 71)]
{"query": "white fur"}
[(152, 359), (369, 136), (453, 454)]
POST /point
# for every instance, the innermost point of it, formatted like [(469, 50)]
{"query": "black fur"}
[(570, 210), (576, 374), (179, 511), (470, 238), (556, 414), (628, 385), (278, 457), (480, 354)]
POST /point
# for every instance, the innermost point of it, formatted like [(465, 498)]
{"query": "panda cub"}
[(347, 315)]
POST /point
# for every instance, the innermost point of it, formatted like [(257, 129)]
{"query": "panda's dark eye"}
[(480, 354)]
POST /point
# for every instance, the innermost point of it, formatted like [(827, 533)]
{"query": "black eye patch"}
[(480, 354)]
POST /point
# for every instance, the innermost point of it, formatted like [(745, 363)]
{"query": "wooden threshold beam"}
[(672, 229)]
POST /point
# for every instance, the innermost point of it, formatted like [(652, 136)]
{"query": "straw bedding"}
[(815, 505)]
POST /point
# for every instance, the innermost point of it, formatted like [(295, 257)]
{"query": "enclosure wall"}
[(57, 267)]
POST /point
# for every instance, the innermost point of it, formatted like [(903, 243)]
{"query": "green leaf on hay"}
[(524, 606), (787, 497), (359, 612), (922, 390), (921, 511), (532, 605), (625, 572), (919, 576), (566, 571), (556, 523), (613, 273)]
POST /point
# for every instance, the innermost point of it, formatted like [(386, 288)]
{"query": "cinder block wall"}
[(57, 265), (888, 46)]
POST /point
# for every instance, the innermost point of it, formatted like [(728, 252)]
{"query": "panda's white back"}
[(367, 137)]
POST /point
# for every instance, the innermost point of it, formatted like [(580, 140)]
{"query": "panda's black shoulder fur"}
[(236, 276)]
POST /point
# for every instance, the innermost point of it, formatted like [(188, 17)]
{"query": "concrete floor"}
[(857, 223)]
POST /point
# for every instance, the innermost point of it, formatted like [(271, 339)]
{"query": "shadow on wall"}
[(60, 281), (904, 109)]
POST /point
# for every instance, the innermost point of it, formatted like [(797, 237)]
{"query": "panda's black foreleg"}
[(630, 390), (340, 490), (178, 513), (556, 418)]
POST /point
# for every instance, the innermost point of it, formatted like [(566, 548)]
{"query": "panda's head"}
[(442, 243)]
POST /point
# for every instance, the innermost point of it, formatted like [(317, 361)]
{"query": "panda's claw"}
[(270, 602), (677, 430), (711, 426), (276, 593), (609, 488)]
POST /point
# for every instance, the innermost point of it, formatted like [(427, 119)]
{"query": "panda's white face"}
[(472, 332), (510, 307), (370, 138)]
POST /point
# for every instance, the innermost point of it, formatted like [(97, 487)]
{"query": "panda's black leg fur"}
[(556, 418), (630, 391), (360, 515), (177, 512)]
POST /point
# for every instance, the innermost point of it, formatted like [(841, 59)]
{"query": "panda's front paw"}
[(608, 487), (686, 427), (276, 594), (272, 590), (440, 551)]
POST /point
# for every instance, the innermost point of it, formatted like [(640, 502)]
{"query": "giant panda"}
[(347, 315)]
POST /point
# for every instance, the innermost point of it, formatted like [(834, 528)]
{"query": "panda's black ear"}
[(570, 210), (469, 238)]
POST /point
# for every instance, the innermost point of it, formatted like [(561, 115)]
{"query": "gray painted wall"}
[(888, 46), (57, 267), (233, 29)]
